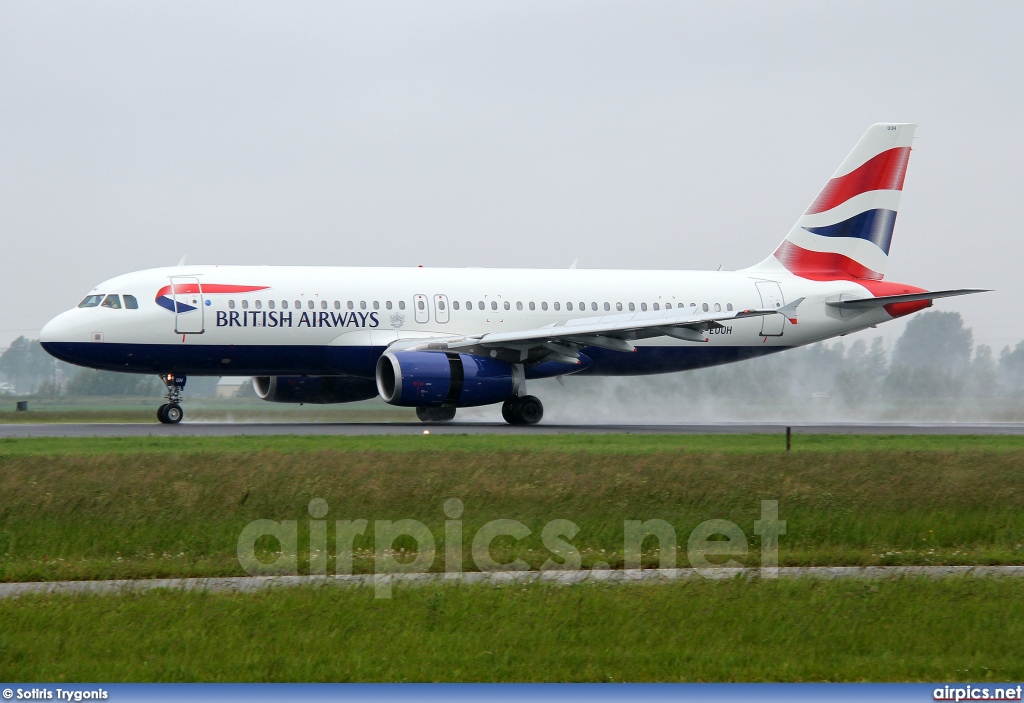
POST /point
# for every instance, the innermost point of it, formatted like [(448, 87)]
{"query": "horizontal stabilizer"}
[(867, 303)]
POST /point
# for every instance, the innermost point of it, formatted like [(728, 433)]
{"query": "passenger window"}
[(455, 305), (593, 306), (401, 305), (440, 305), (543, 306), (568, 306), (270, 304), (245, 304), (323, 304), (376, 305), (607, 307), (718, 307), (337, 305), (362, 304), (298, 304), (130, 302), (705, 307), (519, 306), (618, 307), (388, 305), (643, 307), (655, 306), (259, 304), (112, 301), (556, 306), (90, 301), (494, 305), (310, 304), (480, 305), (284, 304), (507, 306), (583, 306), (469, 304), (729, 307), (632, 308), (420, 304), (350, 305), (533, 306)]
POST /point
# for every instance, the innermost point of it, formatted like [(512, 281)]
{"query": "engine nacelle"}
[(314, 389), (435, 378)]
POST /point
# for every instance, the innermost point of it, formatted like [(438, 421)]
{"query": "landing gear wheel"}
[(435, 414), (527, 410), (173, 414), (170, 413)]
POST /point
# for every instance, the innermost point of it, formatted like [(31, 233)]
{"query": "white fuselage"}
[(267, 320)]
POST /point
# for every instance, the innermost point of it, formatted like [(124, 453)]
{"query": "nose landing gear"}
[(170, 413)]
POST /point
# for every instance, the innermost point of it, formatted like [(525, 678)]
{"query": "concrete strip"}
[(248, 584)]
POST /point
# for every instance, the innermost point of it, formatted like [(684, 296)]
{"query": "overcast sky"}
[(628, 134)]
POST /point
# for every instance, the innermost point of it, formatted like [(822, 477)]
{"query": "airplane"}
[(442, 339)]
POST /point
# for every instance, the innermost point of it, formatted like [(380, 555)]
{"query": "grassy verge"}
[(907, 630), (615, 443), (84, 509)]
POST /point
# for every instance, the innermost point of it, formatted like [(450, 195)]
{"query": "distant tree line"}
[(934, 361)]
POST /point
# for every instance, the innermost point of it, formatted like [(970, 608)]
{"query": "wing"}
[(561, 342)]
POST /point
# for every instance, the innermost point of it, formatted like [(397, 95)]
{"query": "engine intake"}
[(317, 390), (435, 378)]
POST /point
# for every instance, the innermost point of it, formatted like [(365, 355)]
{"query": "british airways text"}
[(274, 318)]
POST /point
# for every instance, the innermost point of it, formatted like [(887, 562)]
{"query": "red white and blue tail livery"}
[(441, 339), (847, 231)]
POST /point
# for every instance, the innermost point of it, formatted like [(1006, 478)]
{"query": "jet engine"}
[(435, 378), (314, 389)]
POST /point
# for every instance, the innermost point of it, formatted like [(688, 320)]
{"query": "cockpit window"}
[(90, 301), (130, 302), (112, 301)]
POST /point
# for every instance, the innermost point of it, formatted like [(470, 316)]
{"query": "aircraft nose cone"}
[(66, 327)]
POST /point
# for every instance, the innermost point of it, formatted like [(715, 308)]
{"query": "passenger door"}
[(187, 294), (771, 297)]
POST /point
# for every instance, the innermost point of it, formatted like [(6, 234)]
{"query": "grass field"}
[(109, 508), (907, 630), (116, 508)]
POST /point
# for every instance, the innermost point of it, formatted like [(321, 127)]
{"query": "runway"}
[(228, 429)]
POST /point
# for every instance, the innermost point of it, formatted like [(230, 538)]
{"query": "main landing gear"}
[(170, 413), (435, 414), (527, 410)]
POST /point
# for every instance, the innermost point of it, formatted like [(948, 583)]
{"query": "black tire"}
[(160, 413), (435, 414), (173, 414), (507, 411), (529, 410)]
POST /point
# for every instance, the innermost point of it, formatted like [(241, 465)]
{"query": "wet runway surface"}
[(227, 429)]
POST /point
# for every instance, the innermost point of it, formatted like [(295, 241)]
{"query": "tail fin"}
[(846, 231)]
